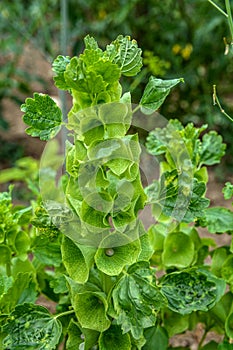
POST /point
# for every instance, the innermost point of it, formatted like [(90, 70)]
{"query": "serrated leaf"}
[(177, 197), (90, 43), (155, 93), (22, 289), (113, 339), (31, 326), (126, 54), (77, 259), (137, 299), (191, 290), (48, 252), (228, 190), (218, 220), (59, 66), (42, 115), (212, 149)]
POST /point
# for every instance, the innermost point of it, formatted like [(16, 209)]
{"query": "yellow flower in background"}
[(176, 49), (186, 51), (102, 14)]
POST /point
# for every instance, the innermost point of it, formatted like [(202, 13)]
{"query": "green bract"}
[(82, 244)]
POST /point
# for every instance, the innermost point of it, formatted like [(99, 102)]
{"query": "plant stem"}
[(136, 109), (202, 339), (216, 101), (230, 21), (64, 314), (218, 8)]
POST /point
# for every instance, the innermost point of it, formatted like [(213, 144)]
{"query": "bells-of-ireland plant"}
[(86, 223)]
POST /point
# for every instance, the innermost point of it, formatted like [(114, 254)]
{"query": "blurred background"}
[(182, 38)]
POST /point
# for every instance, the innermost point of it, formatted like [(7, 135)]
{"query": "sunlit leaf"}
[(191, 290), (155, 93), (31, 327), (42, 115)]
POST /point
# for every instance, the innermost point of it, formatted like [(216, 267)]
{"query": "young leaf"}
[(212, 149), (126, 54), (218, 220), (113, 339), (191, 290), (42, 115), (59, 66), (155, 93), (228, 190), (137, 299), (31, 326)]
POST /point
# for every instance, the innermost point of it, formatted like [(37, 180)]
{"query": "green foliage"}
[(31, 326), (82, 244)]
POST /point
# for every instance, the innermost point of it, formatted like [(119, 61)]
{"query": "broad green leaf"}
[(225, 346), (192, 290), (23, 289), (126, 54), (228, 190), (5, 283), (212, 345), (178, 250), (90, 309), (77, 259), (22, 244), (42, 115), (155, 93), (227, 270), (5, 254), (156, 338), (174, 197), (221, 310), (146, 247), (175, 323), (47, 251), (31, 327), (229, 325), (218, 220), (212, 149), (74, 336), (112, 259), (219, 257), (137, 299), (59, 66), (113, 339)]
